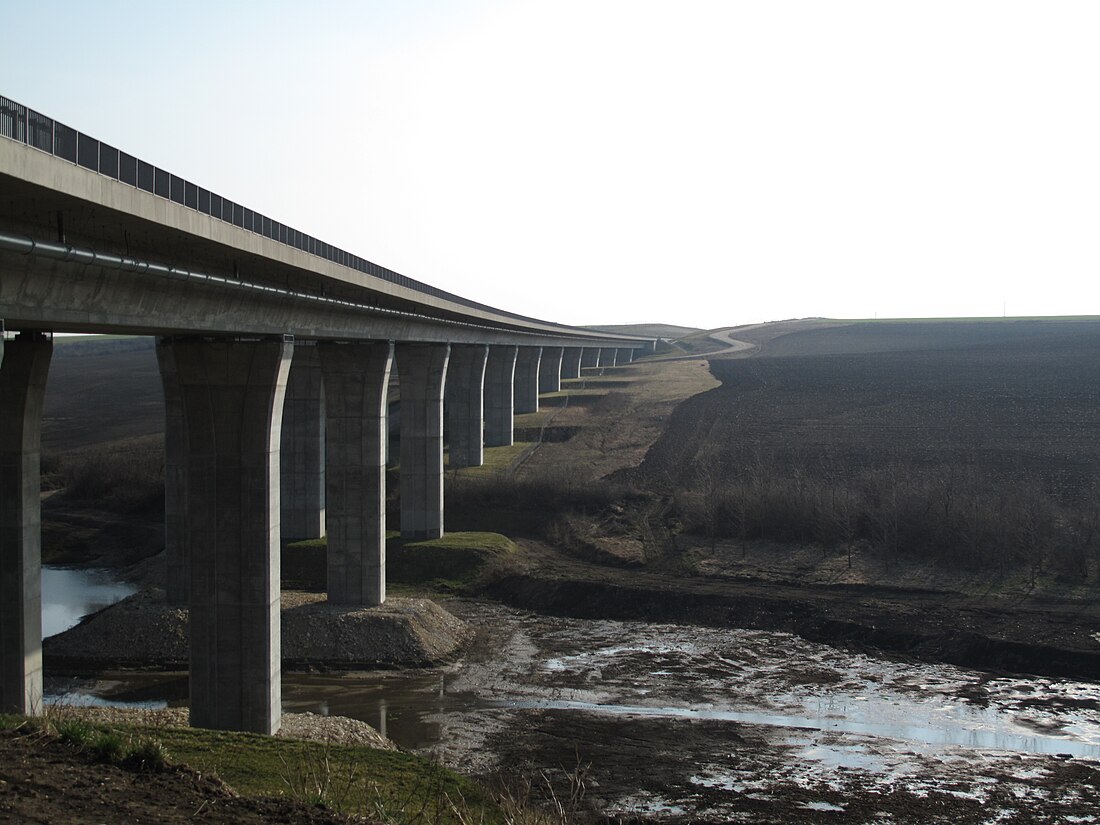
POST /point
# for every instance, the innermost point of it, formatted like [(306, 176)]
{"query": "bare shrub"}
[(527, 506), (953, 513), (123, 481)]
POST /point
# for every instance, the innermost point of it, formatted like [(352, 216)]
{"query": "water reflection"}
[(70, 595), (807, 694)]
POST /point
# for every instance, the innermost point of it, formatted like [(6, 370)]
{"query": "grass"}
[(446, 564), (497, 460), (385, 785), (349, 778)]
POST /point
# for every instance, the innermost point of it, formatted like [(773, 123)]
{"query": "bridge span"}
[(275, 353)]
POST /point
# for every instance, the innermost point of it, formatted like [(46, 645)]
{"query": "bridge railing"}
[(18, 122)]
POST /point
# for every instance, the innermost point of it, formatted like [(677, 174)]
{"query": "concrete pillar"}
[(177, 565), (607, 356), (527, 380), (571, 362), (500, 371), (550, 369), (624, 356), (302, 451), (232, 400), (423, 371), (24, 363), (465, 395), (590, 357), (356, 378)]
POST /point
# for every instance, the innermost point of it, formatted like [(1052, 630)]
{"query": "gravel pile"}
[(339, 729), (142, 631)]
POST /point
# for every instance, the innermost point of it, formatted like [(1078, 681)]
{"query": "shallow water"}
[(803, 715), (69, 595)]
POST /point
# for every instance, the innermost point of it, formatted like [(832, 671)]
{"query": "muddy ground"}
[(1038, 635)]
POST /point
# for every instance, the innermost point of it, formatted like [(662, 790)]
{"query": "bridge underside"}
[(236, 313)]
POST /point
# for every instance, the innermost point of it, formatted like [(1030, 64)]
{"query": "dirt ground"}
[(45, 781)]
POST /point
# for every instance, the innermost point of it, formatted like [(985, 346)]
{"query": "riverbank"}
[(1015, 633), (143, 631)]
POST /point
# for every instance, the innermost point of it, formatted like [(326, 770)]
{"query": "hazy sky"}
[(594, 161)]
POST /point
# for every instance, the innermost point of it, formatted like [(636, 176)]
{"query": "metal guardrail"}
[(25, 125)]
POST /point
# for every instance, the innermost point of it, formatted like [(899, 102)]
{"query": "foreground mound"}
[(143, 631)]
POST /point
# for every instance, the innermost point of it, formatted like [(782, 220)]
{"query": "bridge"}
[(275, 352)]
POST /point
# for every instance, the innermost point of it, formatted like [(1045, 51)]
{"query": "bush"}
[(149, 756), (108, 747), (75, 732)]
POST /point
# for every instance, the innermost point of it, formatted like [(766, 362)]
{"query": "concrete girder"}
[(526, 392), (550, 369), (422, 369), (608, 356), (24, 365), (465, 397), (356, 381), (571, 362), (590, 357), (177, 562), (232, 393), (302, 451), (500, 370), (70, 295)]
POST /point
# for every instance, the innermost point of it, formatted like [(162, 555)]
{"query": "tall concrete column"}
[(550, 369), (500, 371), (527, 380), (624, 356), (607, 356), (465, 396), (232, 399), (177, 564), (356, 378), (571, 362), (423, 371), (24, 364), (302, 458), (590, 357)]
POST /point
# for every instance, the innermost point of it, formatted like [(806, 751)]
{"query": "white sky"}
[(602, 161)]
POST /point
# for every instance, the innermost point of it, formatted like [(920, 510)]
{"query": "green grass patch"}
[(497, 460), (386, 786), (352, 779), (446, 563)]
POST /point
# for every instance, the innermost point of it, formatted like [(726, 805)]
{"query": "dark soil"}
[(1034, 636), (1020, 400), (45, 781)]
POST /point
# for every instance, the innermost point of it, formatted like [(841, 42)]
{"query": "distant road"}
[(722, 336), (735, 345)]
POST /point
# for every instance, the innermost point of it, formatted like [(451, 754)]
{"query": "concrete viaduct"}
[(275, 353)]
